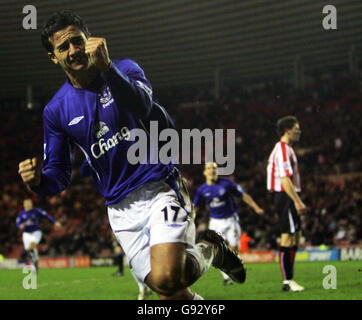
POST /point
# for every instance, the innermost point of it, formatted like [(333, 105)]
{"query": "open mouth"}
[(78, 60)]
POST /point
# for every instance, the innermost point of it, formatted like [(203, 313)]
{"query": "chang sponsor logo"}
[(103, 145)]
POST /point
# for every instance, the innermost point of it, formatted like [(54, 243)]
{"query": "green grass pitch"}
[(263, 283)]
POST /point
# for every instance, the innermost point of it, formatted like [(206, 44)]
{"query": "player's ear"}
[(52, 57)]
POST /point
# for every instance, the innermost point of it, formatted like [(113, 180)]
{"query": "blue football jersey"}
[(31, 219), (99, 120), (219, 197)]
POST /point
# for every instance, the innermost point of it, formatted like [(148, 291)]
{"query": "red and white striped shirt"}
[(282, 163)]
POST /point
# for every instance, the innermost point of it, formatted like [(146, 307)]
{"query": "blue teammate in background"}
[(28, 222), (96, 109), (218, 194)]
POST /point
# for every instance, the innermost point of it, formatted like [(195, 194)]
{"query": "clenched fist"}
[(96, 49), (30, 171)]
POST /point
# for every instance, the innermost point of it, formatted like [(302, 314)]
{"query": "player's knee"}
[(168, 283), (32, 245)]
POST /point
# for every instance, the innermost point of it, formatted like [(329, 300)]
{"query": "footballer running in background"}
[(28, 221), (219, 193)]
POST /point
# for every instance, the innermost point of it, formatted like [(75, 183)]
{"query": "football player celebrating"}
[(97, 108)]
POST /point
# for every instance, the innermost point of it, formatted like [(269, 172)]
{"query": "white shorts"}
[(229, 228), (148, 216), (29, 237)]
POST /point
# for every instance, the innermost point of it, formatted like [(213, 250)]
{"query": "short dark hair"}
[(58, 21), (286, 123)]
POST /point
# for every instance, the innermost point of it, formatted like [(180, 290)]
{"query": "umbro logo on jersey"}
[(75, 121)]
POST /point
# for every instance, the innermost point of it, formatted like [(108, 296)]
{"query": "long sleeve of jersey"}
[(19, 220), (131, 92), (199, 200), (45, 215), (237, 190), (56, 171)]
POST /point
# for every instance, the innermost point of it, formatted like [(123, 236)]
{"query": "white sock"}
[(225, 276), (286, 281), (204, 254), (197, 297)]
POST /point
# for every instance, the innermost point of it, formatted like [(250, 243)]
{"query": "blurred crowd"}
[(329, 153)]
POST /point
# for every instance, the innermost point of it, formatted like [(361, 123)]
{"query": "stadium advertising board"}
[(301, 256), (61, 262), (351, 254), (314, 255), (81, 262), (323, 255), (258, 256), (11, 264), (102, 262), (65, 262)]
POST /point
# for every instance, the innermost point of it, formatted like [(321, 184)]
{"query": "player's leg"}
[(143, 290), (173, 270), (229, 229), (158, 237), (221, 227), (287, 227), (295, 221), (156, 221), (286, 259), (233, 237), (118, 259), (26, 242), (31, 240), (36, 237), (33, 253), (295, 243), (285, 254)]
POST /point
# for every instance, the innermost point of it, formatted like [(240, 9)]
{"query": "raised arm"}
[(130, 89), (129, 86)]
